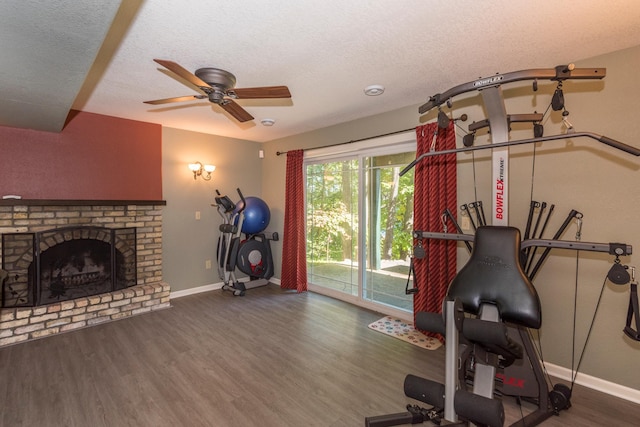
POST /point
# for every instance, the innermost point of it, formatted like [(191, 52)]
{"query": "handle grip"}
[(244, 202), (619, 145)]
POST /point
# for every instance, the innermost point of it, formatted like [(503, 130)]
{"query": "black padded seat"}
[(494, 275)]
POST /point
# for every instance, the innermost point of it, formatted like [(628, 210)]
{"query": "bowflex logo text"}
[(500, 191)]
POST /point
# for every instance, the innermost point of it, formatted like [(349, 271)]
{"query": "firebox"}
[(66, 263)]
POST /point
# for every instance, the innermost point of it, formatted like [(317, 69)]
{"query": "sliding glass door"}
[(332, 225), (359, 224), (389, 226)]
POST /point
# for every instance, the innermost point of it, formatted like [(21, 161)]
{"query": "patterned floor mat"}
[(404, 331)]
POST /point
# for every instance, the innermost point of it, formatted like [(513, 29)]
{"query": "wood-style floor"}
[(271, 358)]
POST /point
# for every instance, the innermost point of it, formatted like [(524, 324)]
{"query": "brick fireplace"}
[(42, 217)]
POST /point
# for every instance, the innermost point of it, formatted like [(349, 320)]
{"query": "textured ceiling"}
[(326, 52), (46, 51)]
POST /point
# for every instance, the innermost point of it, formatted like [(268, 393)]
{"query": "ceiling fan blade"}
[(239, 113), (182, 72), (260, 92), (176, 99)]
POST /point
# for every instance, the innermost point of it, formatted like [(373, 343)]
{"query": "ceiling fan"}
[(219, 87)]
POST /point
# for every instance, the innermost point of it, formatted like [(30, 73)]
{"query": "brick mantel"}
[(150, 292), (60, 202)]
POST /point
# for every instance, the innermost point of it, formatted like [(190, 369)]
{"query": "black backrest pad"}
[(494, 275)]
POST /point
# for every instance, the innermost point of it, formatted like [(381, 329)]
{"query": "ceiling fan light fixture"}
[(374, 90), (268, 122), (219, 87)]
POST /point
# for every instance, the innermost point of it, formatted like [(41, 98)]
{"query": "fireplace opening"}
[(67, 263), (74, 269)]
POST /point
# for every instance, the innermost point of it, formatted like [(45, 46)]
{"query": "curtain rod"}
[(352, 141)]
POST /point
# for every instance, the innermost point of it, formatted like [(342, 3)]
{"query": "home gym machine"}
[(491, 303), (489, 306), (251, 254)]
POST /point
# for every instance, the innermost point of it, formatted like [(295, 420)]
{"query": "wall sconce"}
[(200, 170)]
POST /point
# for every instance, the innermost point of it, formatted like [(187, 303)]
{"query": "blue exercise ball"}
[(256, 215)]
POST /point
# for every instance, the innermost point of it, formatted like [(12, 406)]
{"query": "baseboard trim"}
[(197, 290), (613, 389), (207, 288)]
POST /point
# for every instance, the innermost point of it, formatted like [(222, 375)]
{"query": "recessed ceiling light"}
[(374, 90), (268, 122)]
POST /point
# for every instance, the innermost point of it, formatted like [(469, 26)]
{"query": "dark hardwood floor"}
[(271, 358)]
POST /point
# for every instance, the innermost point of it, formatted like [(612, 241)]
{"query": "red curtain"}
[(294, 251), (435, 189)]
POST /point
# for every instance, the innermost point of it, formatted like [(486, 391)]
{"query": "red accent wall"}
[(95, 157)]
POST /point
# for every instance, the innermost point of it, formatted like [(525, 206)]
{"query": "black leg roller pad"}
[(427, 391), (432, 322), (479, 409)]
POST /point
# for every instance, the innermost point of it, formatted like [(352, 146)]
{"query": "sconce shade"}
[(200, 170)]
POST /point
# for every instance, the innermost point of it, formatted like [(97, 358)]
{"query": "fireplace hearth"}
[(138, 262), (63, 264)]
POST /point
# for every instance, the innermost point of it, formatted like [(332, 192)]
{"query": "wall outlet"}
[(198, 215), (207, 264)]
